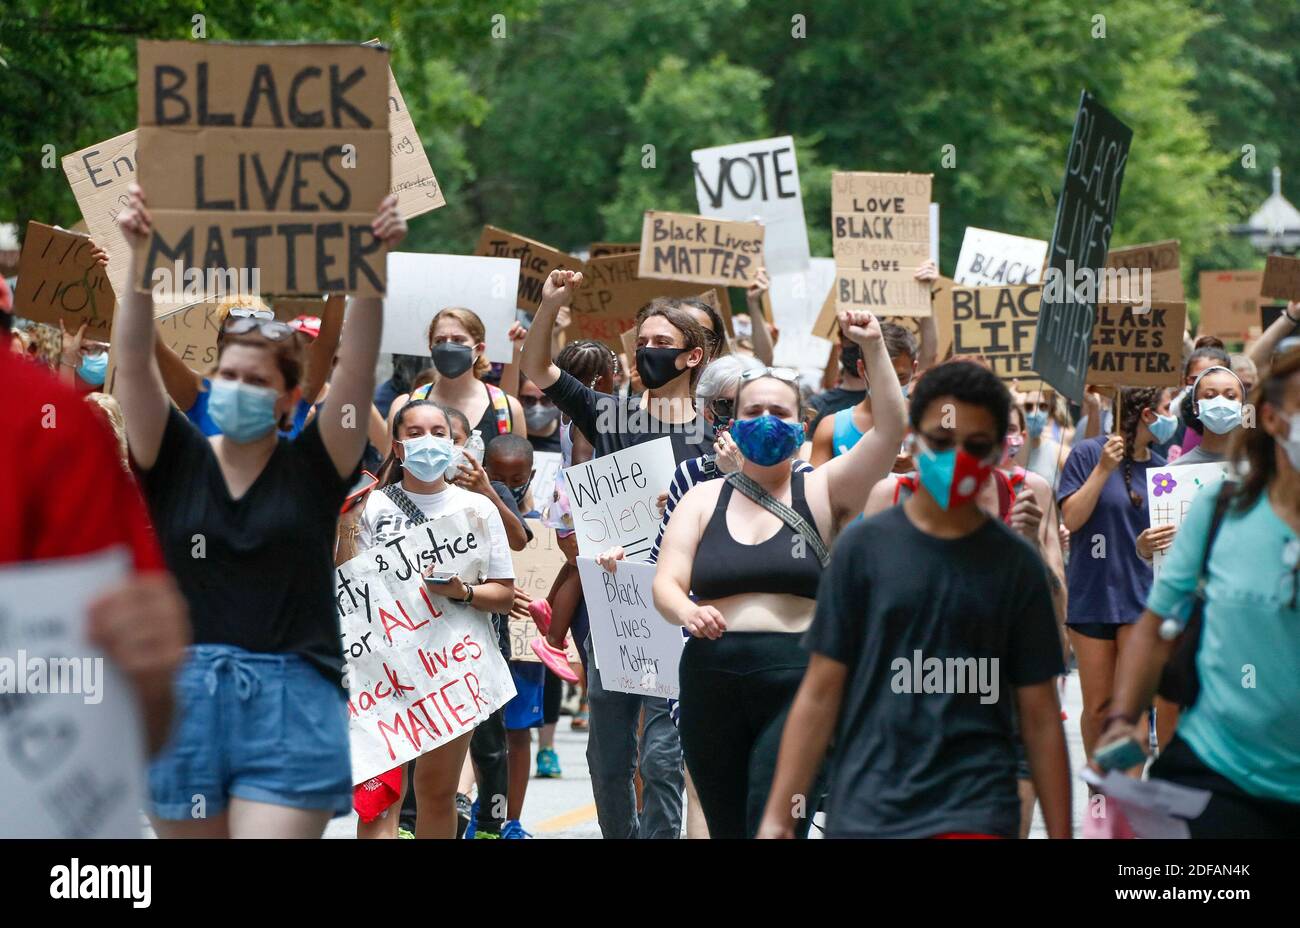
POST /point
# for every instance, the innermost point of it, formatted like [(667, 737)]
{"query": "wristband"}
[(469, 595), (1286, 311)]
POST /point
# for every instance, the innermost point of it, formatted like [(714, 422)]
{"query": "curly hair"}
[(588, 361)]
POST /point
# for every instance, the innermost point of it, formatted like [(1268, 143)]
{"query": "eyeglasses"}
[(787, 374), (528, 402), (723, 408), (976, 446), (267, 328)]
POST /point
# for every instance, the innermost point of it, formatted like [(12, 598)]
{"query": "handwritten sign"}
[(757, 180), (998, 324), (536, 261), (191, 332), (1085, 216), (1137, 349), (265, 157), (1160, 258), (1230, 303), (995, 259), (678, 246), (412, 177), (614, 498), (604, 249), (99, 176), (420, 285), (421, 669), (880, 232), (613, 292), (636, 649), (1281, 278), (1170, 491), (58, 279), (73, 764)]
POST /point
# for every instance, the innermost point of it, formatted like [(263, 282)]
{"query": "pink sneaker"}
[(540, 610), (554, 659)]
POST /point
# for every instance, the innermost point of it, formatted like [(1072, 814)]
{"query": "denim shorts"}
[(262, 727)]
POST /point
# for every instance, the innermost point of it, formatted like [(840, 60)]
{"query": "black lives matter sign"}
[(272, 157), (1085, 216)]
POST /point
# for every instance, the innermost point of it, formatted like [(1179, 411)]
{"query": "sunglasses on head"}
[(787, 374), (267, 328), (976, 446)]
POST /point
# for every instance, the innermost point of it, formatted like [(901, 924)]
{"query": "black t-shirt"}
[(612, 423), (257, 572), (909, 765), (829, 402), (546, 442)]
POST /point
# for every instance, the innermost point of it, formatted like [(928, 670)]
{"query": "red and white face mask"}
[(953, 477)]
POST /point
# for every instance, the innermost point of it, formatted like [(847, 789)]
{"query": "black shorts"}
[(1102, 631), (1232, 812)]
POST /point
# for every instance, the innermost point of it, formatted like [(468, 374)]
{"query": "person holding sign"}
[(247, 522), (753, 561), (1236, 649)]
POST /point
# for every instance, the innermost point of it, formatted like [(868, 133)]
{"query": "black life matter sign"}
[(1085, 216)]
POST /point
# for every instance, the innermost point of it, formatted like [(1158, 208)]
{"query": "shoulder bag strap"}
[(403, 502)]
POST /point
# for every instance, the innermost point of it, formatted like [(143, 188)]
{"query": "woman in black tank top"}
[(742, 579)]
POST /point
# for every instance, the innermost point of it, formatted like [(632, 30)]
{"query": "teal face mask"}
[(1163, 428), (242, 411), (93, 368)]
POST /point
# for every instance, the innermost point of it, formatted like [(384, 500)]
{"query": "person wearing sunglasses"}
[(933, 583), (542, 416), (1240, 737), (739, 567), (246, 520)]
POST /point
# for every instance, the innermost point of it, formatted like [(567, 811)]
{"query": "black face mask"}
[(452, 359), (519, 493), (658, 366)]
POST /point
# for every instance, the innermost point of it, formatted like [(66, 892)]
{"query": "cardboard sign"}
[(191, 332), (1085, 216), (535, 570), (266, 157), (58, 279), (536, 261), (797, 301), (880, 229), (628, 340), (1170, 491), (99, 176), (614, 498), (73, 763), (998, 324), (1230, 302), (421, 669), (1281, 278), (420, 285), (636, 649), (613, 292), (679, 246), (995, 259), (605, 249), (1137, 349), (417, 189), (757, 180), (1160, 258)]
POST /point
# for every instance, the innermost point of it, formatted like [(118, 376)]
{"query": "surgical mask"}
[(1163, 428), (93, 368), (1291, 444), (1035, 422), (452, 359), (658, 366), (1219, 414), (767, 440), (426, 457), (1014, 444), (242, 411), (952, 477), (539, 416)]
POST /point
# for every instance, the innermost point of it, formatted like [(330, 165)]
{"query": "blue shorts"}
[(263, 727), (525, 709)]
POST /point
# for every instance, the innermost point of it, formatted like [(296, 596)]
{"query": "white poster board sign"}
[(614, 499), (1170, 491), (757, 180), (72, 763), (421, 285), (797, 298), (421, 669), (546, 469), (995, 259), (637, 650)]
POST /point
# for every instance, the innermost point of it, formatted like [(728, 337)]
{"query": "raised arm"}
[(761, 335), (139, 387), (320, 354), (535, 359), (1262, 351), (928, 352), (345, 416)]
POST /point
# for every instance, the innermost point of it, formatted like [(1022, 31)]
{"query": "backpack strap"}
[(403, 502), (796, 522), (501, 406)]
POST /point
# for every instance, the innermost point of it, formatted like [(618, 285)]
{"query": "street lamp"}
[(1274, 228)]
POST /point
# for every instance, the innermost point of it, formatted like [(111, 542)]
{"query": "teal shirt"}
[(1246, 729), (845, 434)]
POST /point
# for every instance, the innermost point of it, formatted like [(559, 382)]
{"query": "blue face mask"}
[(242, 411), (767, 440), (93, 368), (1035, 422), (1163, 428), (1219, 414), (427, 457)]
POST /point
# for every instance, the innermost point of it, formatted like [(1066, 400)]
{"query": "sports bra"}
[(496, 418), (725, 567), (845, 434)]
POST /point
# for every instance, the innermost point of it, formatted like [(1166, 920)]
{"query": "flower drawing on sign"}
[(1163, 484)]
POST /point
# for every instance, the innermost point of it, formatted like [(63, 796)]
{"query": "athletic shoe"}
[(579, 722), (513, 829), (472, 827), (485, 835), (404, 833), (540, 610), (548, 764), (554, 659)]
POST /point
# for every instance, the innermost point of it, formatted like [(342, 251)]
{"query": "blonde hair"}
[(113, 412), (473, 326)]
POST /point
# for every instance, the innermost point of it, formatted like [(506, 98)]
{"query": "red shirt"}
[(63, 491)]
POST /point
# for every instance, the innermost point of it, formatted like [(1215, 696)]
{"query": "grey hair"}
[(722, 376)]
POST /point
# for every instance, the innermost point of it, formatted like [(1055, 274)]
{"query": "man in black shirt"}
[(934, 622)]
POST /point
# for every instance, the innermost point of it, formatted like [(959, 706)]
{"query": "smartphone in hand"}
[(440, 577), (1121, 755)]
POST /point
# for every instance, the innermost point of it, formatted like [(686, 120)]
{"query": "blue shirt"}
[(1245, 724), (198, 414), (1108, 581), (845, 434)]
